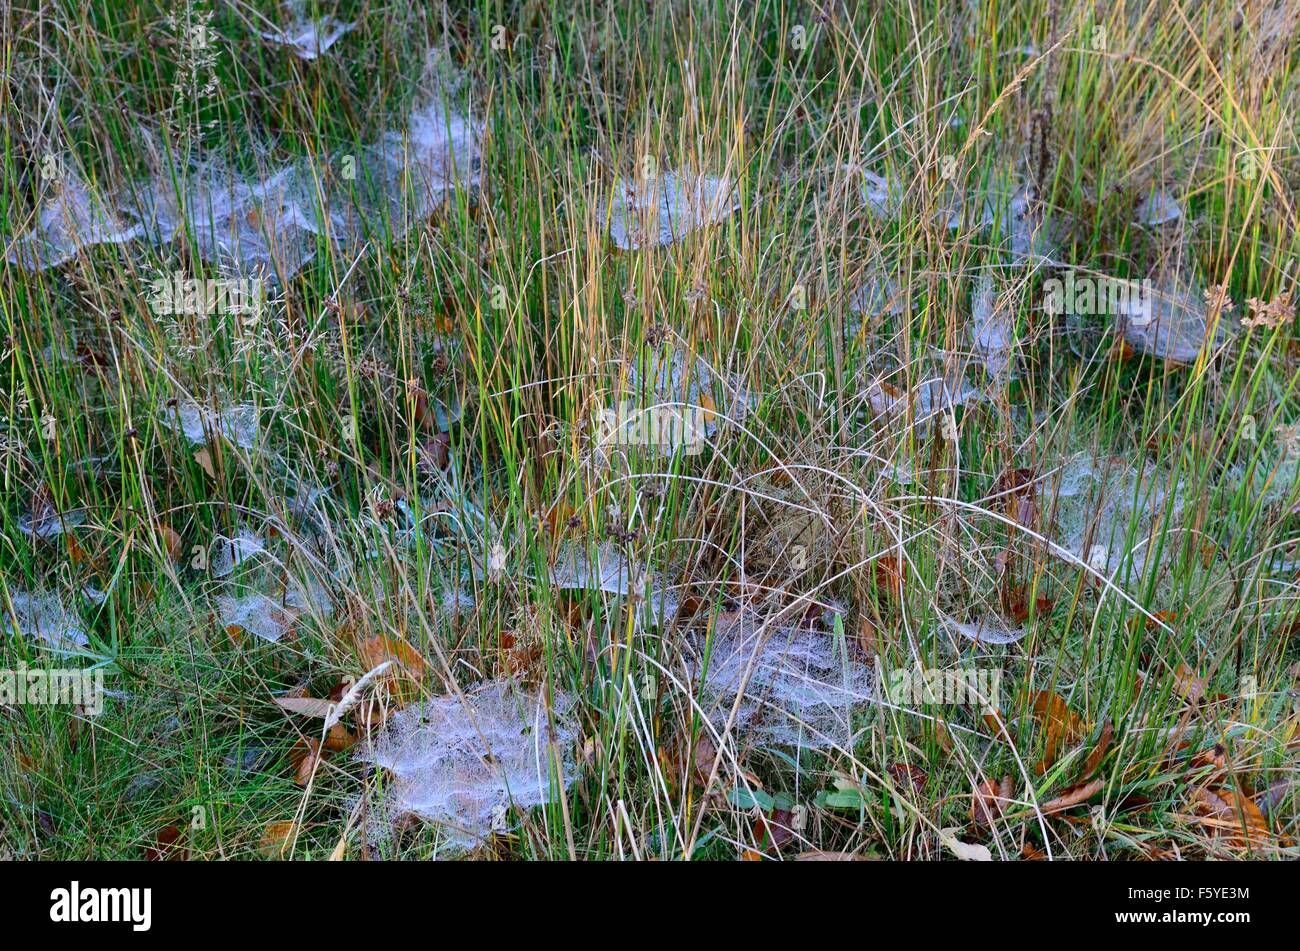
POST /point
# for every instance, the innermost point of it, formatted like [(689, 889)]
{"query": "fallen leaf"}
[(706, 755), (1190, 687), (1074, 796), (306, 706), (775, 828), (204, 459), (168, 846), (1060, 725), (1226, 810), (338, 739), (377, 650), (905, 775), (889, 576), (172, 542), (990, 800), (1099, 751), (277, 838), (306, 757), (867, 641)]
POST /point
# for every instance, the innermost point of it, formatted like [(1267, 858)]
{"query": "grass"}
[(1160, 682)]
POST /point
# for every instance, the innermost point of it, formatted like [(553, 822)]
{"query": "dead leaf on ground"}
[(277, 838), (1074, 796), (706, 755), (172, 542), (867, 640), (338, 739), (306, 706), (1093, 763), (889, 577), (204, 458), (1060, 725), (306, 756), (990, 800), (775, 828), (168, 846), (1190, 687), (1227, 811), (907, 775)]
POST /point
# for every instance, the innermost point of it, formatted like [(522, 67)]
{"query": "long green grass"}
[(511, 305)]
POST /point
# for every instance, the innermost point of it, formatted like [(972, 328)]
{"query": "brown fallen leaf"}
[(277, 838), (1060, 725), (1160, 619), (1227, 811), (306, 706), (1074, 796), (204, 458), (1032, 853), (172, 542), (168, 846), (774, 829), (378, 649), (706, 755), (889, 577), (1190, 687), (402, 681), (1016, 603), (990, 800), (868, 643), (338, 739), (907, 775), (305, 757), (1093, 763)]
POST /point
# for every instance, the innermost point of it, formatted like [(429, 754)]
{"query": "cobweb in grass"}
[(271, 225), (252, 226), (800, 685), (607, 569), (401, 179), (45, 617), (1030, 234), (666, 207), (71, 217), (993, 330), (305, 37), (228, 553), (460, 761), (677, 379), (197, 423), (877, 293), (1110, 515), (1172, 322), (922, 404), (264, 617), (880, 195), (987, 630), (1158, 208), (50, 523)]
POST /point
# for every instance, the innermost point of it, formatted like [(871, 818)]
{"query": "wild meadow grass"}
[(871, 473)]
